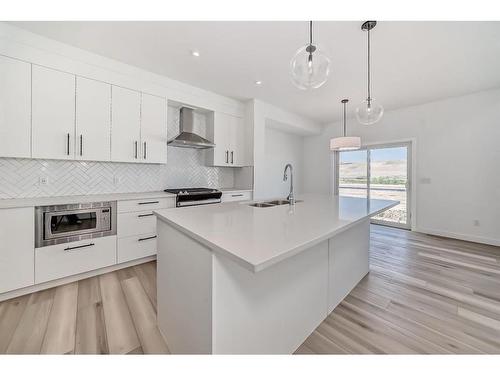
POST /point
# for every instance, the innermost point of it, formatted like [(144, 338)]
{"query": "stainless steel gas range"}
[(195, 196)]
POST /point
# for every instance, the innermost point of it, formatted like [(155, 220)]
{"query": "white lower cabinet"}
[(17, 248), (58, 261), (133, 223), (236, 196), (347, 261), (146, 205), (136, 227), (135, 247), (22, 265)]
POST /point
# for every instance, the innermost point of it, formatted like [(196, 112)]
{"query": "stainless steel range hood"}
[(187, 137)]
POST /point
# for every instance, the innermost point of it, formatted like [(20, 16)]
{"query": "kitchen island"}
[(234, 278)]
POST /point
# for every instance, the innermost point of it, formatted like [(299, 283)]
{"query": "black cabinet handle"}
[(232, 159), (147, 238), (145, 151), (145, 215), (81, 144), (237, 195), (154, 202), (67, 144), (78, 247), (135, 149)]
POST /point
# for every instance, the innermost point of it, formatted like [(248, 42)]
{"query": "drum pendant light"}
[(345, 143), (369, 112)]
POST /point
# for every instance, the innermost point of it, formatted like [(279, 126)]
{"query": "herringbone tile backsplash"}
[(19, 178)]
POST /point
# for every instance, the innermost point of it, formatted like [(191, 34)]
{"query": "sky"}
[(382, 154)]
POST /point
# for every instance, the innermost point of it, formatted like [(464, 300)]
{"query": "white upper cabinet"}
[(153, 129), (238, 146), (93, 120), (229, 138), (15, 108), (49, 114), (53, 114), (125, 125), (222, 139)]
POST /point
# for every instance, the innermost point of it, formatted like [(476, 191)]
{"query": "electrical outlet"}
[(476, 222), (43, 180), (116, 180)]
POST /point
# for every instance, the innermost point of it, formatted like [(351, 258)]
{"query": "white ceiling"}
[(413, 62)]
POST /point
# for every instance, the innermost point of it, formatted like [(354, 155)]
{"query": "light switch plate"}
[(425, 180)]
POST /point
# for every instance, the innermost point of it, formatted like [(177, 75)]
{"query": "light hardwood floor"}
[(111, 313), (424, 294)]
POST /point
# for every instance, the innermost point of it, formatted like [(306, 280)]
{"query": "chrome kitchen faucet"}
[(291, 197)]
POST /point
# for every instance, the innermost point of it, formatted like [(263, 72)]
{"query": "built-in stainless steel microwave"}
[(74, 222)]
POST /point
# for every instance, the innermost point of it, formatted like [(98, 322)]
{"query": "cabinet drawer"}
[(135, 223), (136, 247), (145, 204), (55, 262), (236, 196)]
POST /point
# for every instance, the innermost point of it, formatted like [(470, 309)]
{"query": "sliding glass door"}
[(378, 172), (353, 173)]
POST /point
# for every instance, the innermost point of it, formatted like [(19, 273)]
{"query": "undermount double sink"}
[(273, 203)]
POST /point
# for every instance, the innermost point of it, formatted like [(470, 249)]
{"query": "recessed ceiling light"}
[(195, 53), (258, 83)]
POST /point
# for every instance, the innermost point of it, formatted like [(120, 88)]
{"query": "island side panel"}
[(348, 261), (271, 311), (184, 285)]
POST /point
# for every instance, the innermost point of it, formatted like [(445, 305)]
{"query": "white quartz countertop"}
[(70, 199), (258, 237)]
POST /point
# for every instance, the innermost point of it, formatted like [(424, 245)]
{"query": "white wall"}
[(457, 148), (262, 117), (282, 148)]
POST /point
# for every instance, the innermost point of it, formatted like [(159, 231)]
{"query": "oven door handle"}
[(79, 247)]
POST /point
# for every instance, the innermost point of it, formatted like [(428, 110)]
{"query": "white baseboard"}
[(70, 279), (459, 236)]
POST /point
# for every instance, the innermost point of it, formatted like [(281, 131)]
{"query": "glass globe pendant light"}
[(345, 143), (309, 67), (370, 111)]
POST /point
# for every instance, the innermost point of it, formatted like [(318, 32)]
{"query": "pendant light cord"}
[(309, 59), (369, 83), (310, 33), (344, 120)]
